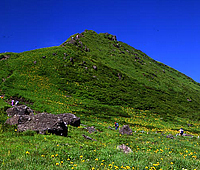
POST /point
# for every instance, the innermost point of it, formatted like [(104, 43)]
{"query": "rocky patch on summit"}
[(111, 37), (4, 57)]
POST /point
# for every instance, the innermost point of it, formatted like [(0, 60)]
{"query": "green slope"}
[(145, 83), (127, 86)]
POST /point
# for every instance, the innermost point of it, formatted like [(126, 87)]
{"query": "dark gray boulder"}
[(43, 123), (125, 130), (19, 110), (70, 119), (13, 120)]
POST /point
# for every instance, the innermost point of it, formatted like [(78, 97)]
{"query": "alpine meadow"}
[(102, 81)]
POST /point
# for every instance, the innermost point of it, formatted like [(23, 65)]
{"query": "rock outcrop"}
[(19, 110), (42, 122)]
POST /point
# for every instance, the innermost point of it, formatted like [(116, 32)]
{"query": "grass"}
[(152, 149), (152, 98)]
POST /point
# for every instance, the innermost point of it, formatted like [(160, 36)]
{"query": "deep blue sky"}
[(166, 30)]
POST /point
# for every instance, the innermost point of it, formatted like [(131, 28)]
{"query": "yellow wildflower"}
[(27, 152)]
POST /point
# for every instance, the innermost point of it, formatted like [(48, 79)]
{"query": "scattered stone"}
[(81, 44), (187, 135), (72, 41), (119, 76), (125, 130), (109, 127), (94, 67), (87, 137), (72, 60), (117, 45), (87, 49), (83, 125), (111, 37), (77, 37), (170, 136), (91, 129), (137, 58), (124, 148)]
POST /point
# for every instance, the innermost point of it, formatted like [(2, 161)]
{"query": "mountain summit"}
[(94, 73)]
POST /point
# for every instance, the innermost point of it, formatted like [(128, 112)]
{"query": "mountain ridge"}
[(97, 68)]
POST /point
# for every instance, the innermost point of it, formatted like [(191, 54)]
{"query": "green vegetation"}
[(127, 86)]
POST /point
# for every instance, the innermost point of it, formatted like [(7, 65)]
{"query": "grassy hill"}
[(101, 80)]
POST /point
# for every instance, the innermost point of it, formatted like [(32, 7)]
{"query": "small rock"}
[(124, 148), (125, 130)]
